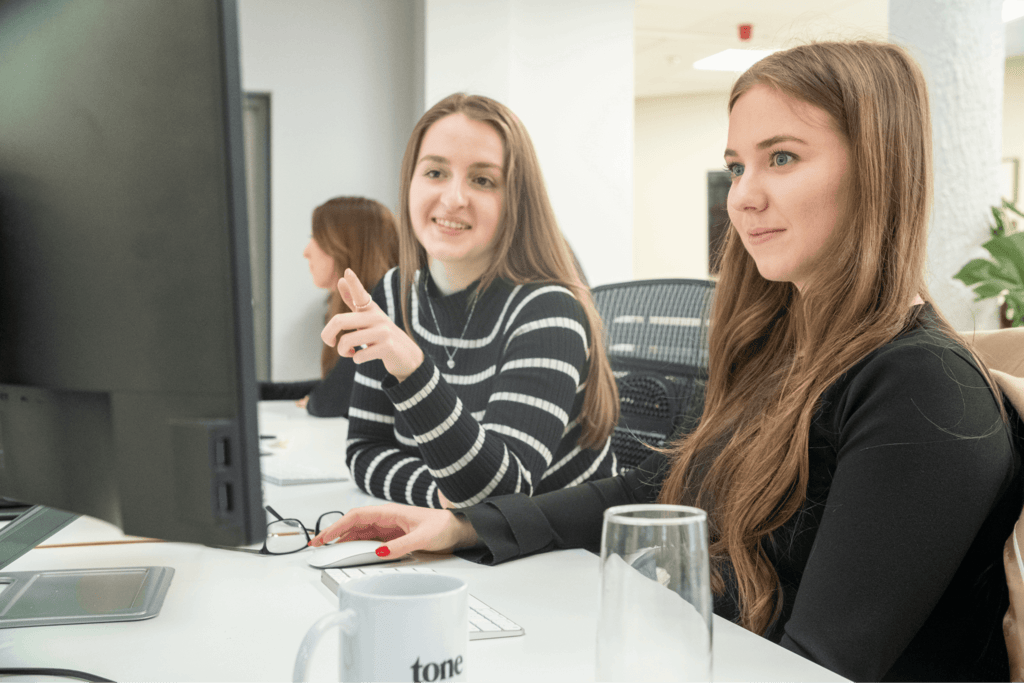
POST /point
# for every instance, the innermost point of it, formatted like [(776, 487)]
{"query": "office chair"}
[(655, 334)]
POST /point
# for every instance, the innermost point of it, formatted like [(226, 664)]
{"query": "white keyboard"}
[(285, 471), (484, 621)]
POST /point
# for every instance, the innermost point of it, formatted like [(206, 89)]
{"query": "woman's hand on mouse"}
[(370, 327), (403, 528)]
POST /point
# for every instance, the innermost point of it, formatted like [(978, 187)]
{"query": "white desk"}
[(232, 616)]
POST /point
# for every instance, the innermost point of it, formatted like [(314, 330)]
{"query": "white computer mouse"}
[(347, 554)]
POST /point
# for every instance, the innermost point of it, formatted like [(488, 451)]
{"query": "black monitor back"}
[(127, 382)]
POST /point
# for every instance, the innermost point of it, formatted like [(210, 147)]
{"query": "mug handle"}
[(346, 619)]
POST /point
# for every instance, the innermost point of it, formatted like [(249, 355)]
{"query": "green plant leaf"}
[(1008, 252), (1000, 227), (987, 290), (1012, 207), (982, 270), (1016, 303), (1004, 273)]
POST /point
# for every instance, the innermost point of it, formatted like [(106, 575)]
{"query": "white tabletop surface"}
[(235, 616)]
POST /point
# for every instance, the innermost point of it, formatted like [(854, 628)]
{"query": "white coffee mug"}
[(397, 627)]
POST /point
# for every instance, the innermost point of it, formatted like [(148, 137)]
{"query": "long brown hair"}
[(529, 246), (360, 234), (773, 350)]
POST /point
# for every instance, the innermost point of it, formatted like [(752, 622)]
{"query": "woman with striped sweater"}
[(480, 364)]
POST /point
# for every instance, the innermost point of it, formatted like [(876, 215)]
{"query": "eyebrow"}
[(441, 160), (770, 142)]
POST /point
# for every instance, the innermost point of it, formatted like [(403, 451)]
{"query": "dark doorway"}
[(718, 216)]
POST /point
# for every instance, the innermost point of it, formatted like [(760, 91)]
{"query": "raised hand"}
[(403, 528), (369, 327)]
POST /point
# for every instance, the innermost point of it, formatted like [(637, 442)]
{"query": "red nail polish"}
[(383, 551)]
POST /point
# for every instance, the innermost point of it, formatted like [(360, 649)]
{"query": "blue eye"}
[(782, 158), (736, 170)]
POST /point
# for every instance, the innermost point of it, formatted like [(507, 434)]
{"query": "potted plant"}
[(1002, 275)]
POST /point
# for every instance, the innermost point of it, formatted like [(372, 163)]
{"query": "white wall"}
[(678, 140), (467, 48), (566, 69), (340, 74)]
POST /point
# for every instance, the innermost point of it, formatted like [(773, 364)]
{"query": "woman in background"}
[(859, 470), (348, 232), (481, 367)]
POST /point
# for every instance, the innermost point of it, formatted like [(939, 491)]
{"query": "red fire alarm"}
[(745, 31)]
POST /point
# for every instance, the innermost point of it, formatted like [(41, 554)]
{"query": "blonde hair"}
[(360, 234), (529, 247), (773, 351)]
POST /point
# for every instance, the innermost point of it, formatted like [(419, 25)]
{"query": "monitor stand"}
[(71, 596)]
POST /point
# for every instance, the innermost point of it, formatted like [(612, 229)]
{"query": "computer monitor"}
[(127, 371)]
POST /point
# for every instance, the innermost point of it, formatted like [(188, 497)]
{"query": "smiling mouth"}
[(763, 234), (451, 225)]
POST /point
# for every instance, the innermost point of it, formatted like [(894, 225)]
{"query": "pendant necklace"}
[(450, 354)]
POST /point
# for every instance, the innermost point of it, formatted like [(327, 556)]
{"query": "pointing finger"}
[(345, 291), (360, 299)]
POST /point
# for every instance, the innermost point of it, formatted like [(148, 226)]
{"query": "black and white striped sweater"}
[(503, 420)]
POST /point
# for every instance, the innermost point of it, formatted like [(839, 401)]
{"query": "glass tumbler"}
[(655, 603)]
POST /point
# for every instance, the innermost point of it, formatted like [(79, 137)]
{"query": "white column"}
[(960, 46), (565, 67)]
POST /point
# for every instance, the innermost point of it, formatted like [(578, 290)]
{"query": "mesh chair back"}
[(655, 333)]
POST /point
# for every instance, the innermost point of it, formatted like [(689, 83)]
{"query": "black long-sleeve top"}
[(892, 569), (328, 397)]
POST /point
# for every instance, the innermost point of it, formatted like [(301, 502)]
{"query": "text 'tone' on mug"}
[(397, 627)]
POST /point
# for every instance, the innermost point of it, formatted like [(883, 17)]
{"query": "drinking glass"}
[(655, 603)]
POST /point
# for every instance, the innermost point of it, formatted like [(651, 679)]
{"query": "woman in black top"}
[(348, 232), (857, 464)]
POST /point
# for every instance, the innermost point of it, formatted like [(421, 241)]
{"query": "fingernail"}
[(383, 551)]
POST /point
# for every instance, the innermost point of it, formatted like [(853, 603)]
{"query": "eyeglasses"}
[(286, 536)]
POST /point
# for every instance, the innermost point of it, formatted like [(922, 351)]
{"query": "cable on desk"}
[(66, 673)]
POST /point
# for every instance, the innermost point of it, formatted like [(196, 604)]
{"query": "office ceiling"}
[(672, 34)]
